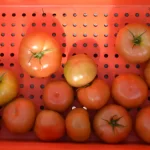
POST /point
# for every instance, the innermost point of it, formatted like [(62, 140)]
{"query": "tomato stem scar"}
[(136, 39)]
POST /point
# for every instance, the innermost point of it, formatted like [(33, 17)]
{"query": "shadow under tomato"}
[(87, 46)]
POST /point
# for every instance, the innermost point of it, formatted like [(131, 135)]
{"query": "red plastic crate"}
[(87, 26)]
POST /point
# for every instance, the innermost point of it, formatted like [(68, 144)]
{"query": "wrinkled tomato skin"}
[(19, 116), (9, 86), (129, 90), (124, 43), (95, 95), (80, 70), (49, 126), (78, 125), (38, 42), (58, 95), (105, 131), (142, 124)]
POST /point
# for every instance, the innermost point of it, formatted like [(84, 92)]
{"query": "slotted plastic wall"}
[(78, 29)]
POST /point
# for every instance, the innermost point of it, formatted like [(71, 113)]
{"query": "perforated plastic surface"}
[(83, 29)]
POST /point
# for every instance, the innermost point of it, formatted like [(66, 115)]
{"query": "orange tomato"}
[(39, 54), (94, 96), (78, 125), (112, 124), (58, 95), (49, 126), (129, 90), (19, 115), (133, 44), (142, 124)]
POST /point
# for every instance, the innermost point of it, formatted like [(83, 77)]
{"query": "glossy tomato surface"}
[(133, 44), (19, 116), (112, 124), (94, 96), (49, 126), (9, 86), (80, 70), (39, 54), (142, 124), (129, 90), (78, 125), (58, 95)]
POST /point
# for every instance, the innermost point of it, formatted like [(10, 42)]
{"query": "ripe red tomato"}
[(142, 124), (133, 44), (129, 90), (78, 125), (112, 124), (147, 73), (9, 86), (80, 70), (58, 95), (19, 115), (95, 95), (39, 54), (49, 126)]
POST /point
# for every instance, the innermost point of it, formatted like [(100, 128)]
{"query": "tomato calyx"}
[(136, 39), (114, 122), (2, 76), (39, 55)]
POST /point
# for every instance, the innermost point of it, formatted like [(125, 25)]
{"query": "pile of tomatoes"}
[(40, 56)]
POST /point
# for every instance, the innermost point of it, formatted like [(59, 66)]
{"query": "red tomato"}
[(95, 95), (19, 115), (80, 70), (58, 95), (142, 124), (49, 126), (39, 54), (78, 125), (9, 86), (133, 44), (147, 73), (129, 90), (112, 124)]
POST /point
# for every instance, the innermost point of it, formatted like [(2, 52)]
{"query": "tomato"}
[(133, 44), (94, 96), (58, 95), (19, 115), (49, 125), (80, 70), (147, 73), (9, 86), (39, 54), (112, 124), (129, 90), (142, 124), (78, 125)]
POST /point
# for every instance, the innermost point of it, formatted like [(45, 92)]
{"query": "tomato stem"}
[(136, 39), (39, 55), (114, 122), (1, 77)]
